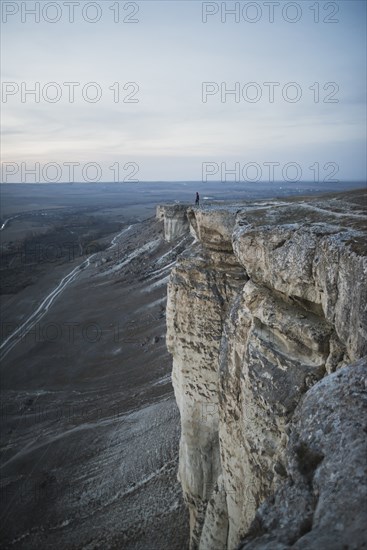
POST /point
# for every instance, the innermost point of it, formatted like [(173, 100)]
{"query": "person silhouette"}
[(197, 200)]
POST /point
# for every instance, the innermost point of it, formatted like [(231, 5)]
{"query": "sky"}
[(152, 84)]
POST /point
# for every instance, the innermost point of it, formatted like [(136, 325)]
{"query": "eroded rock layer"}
[(268, 300), (322, 503)]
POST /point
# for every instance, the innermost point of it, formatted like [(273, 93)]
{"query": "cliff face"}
[(266, 302), (175, 220), (200, 292)]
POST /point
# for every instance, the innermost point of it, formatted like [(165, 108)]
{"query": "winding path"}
[(8, 344), (8, 220)]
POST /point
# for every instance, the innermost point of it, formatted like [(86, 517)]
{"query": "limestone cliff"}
[(267, 301), (175, 220)]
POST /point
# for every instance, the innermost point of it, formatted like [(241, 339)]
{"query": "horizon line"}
[(180, 181)]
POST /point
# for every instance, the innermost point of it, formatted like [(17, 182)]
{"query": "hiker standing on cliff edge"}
[(197, 200)]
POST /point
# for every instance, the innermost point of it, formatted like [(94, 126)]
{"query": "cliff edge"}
[(266, 324)]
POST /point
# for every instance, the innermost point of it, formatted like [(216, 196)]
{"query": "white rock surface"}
[(269, 301), (175, 220)]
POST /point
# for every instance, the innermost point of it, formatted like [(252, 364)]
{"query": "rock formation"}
[(266, 302), (322, 503), (175, 220)]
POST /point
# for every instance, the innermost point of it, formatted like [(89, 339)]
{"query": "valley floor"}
[(89, 421)]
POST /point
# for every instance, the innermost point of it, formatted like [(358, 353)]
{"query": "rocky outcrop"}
[(266, 303), (213, 227), (314, 263), (174, 217), (322, 502)]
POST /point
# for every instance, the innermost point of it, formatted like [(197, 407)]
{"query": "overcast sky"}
[(168, 132)]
